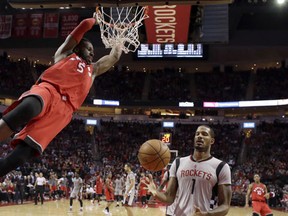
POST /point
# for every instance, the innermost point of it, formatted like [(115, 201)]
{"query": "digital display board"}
[(166, 138), (249, 125), (170, 50), (91, 121), (106, 102), (168, 124)]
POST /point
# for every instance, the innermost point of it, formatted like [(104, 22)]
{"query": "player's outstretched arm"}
[(248, 195), (169, 195), (106, 62), (74, 38)]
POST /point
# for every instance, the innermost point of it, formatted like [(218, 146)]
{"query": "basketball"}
[(154, 155)]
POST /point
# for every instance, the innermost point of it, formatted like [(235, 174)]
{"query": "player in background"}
[(109, 193), (149, 196), (142, 190), (49, 105), (53, 183), (259, 195), (118, 189), (98, 188), (197, 176), (63, 182), (129, 194), (76, 191)]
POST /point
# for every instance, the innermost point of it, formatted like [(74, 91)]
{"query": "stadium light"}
[(280, 2)]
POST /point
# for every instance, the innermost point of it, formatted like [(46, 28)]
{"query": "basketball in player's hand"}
[(154, 155)]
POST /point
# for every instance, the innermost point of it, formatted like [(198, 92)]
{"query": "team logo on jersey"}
[(196, 173), (259, 190)]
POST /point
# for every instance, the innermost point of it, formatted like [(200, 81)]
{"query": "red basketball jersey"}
[(109, 184), (99, 185), (109, 193), (258, 192), (72, 77), (142, 186)]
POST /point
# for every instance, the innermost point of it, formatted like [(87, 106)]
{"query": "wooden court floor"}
[(61, 207)]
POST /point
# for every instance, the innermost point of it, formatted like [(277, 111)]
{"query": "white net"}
[(120, 25)]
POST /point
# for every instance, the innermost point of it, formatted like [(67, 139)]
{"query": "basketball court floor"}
[(61, 207)]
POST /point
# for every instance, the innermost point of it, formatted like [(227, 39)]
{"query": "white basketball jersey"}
[(118, 184), (130, 177), (77, 184), (195, 183)]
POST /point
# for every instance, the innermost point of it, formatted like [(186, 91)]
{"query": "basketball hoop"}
[(120, 25)]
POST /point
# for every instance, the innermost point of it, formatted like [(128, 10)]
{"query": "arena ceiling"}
[(257, 37)]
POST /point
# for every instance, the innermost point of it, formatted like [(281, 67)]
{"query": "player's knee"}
[(32, 105)]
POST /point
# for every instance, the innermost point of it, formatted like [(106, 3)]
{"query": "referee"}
[(39, 185)]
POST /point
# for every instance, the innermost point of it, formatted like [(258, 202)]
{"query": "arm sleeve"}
[(82, 28)]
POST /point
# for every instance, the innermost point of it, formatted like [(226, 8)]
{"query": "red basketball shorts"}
[(109, 196), (142, 192), (53, 188), (63, 188), (261, 208), (55, 115)]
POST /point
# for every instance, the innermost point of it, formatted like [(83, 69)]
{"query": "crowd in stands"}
[(15, 76), (218, 86), (167, 84), (112, 144), (120, 84), (271, 84)]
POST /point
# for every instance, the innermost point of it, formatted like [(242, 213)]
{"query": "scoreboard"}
[(170, 50), (166, 137)]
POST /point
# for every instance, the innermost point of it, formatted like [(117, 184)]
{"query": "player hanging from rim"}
[(197, 176), (259, 195), (109, 193), (129, 189), (49, 105), (76, 191)]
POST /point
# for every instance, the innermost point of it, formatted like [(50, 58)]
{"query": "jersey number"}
[(193, 185), (80, 67)]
